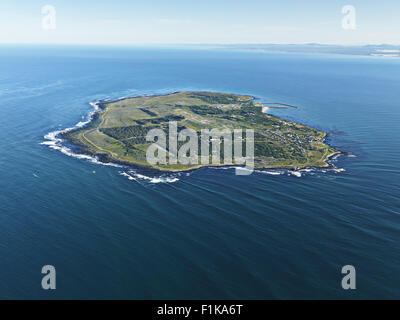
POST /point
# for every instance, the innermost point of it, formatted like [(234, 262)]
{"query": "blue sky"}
[(181, 22)]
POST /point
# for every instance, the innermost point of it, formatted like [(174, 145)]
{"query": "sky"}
[(131, 22)]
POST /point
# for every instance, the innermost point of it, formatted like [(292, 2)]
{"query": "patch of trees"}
[(159, 120), (213, 99), (246, 112), (205, 110), (150, 113), (131, 143), (121, 133), (269, 150)]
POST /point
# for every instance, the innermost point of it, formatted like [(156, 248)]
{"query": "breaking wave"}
[(164, 178), (56, 143), (295, 173)]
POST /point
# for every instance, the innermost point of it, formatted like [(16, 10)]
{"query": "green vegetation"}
[(118, 132)]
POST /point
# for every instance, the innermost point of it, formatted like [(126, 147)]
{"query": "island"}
[(117, 131)]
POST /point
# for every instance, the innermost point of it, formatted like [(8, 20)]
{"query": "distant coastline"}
[(382, 50)]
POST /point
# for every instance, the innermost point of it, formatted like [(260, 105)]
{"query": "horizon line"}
[(196, 44)]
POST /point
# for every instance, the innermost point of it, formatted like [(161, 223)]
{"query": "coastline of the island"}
[(57, 139)]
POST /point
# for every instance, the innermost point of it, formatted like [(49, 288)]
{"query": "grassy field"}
[(119, 132)]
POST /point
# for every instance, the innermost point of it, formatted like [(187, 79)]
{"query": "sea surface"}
[(114, 232)]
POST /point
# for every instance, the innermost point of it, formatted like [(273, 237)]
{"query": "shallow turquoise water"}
[(209, 234)]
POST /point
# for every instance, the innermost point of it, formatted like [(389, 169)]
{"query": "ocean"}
[(120, 233)]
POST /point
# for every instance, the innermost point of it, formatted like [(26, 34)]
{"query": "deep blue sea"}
[(210, 233)]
